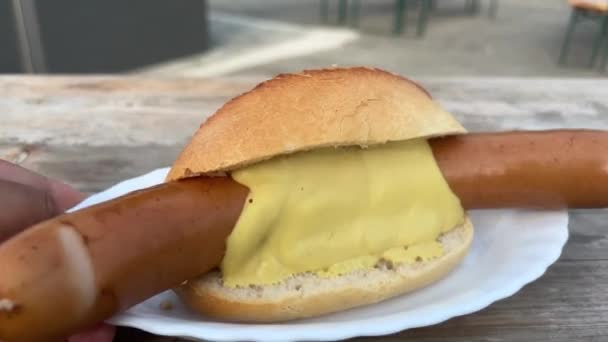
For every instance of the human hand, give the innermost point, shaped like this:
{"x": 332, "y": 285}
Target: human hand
{"x": 28, "y": 198}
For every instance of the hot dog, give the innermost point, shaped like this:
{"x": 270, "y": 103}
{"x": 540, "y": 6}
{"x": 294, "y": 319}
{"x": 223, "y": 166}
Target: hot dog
{"x": 136, "y": 246}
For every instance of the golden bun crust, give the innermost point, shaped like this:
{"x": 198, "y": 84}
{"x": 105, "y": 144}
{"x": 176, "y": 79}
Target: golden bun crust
{"x": 311, "y": 109}
{"x": 308, "y": 295}
{"x": 304, "y": 111}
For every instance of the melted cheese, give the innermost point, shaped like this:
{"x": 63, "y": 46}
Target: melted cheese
{"x": 336, "y": 210}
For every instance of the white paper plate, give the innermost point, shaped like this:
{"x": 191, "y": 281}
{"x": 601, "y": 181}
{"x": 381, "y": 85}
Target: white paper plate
{"x": 510, "y": 249}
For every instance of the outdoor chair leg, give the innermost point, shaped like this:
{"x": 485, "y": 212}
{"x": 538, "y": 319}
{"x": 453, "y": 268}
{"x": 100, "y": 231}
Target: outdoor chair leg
{"x": 355, "y": 13}
{"x": 400, "y": 16}
{"x": 566, "y": 45}
{"x": 423, "y": 18}
{"x": 605, "y": 57}
{"x": 324, "y": 10}
{"x": 599, "y": 40}
{"x": 342, "y": 11}
{"x": 474, "y": 6}
{"x": 493, "y": 10}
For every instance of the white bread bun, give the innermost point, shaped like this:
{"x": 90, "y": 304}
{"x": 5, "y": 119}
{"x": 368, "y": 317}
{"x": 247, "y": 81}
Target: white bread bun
{"x": 299, "y": 112}
{"x": 308, "y": 295}
{"x": 312, "y": 109}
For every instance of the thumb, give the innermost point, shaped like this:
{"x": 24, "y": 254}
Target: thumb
{"x": 23, "y": 206}
{"x": 63, "y": 195}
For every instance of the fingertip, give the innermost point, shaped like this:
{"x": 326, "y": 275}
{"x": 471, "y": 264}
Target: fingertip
{"x": 65, "y": 196}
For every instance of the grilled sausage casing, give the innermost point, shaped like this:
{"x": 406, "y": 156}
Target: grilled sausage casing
{"x": 80, "y": 268}
{"x": 538, "y": 170}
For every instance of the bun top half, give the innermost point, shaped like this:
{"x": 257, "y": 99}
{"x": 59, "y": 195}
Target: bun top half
{"x": 312, "y": 109}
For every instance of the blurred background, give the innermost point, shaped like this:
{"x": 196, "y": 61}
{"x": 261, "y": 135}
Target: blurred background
{"x": 197, "y": 38}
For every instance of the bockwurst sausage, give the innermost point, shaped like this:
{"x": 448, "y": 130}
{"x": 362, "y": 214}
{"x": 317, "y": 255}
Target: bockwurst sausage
{"x": 542, "y": 170}
{"x": 77, "y": 269}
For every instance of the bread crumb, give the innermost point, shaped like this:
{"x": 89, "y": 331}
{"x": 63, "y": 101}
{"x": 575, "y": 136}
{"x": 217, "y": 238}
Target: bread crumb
{"x": 166, "y": 305}
{"x": 7, "y": 305}
{"x": 255, "y": 287}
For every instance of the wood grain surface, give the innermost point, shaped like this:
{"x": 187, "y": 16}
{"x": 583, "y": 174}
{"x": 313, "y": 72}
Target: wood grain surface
{"x": 95, "y": 131}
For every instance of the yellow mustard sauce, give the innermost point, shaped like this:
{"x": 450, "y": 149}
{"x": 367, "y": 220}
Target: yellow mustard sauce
{"x": 332, "y": 211}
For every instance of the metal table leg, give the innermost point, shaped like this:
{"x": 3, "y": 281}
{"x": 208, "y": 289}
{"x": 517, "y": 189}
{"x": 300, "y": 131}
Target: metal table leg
{"x": 493, "y": 10}
{"x": 324, "y": 10}
{"x": 475, "y": 6}
{"x": 355, "y": 13}
{"x": 400, "y": 16}
{"x": 342, "y": 11}
{"x": 423, "y": 18}
{"x": 599, "y": 40}
{"x": 566, "y": 45}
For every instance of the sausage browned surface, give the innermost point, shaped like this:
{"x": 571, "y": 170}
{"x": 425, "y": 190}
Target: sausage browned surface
{"x": 544, "y": 170}
{"x": 80, "y": 268}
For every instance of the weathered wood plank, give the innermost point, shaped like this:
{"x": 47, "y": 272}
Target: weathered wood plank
{"x": 110, "y": 110}
{"x": 568, "y": 303}
{"x": 588, "y": 236}
{"x": 102, "y": 111}
{"x": 93, "y": 168}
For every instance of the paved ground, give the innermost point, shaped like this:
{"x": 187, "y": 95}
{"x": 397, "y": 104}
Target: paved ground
{"x": 262, "y": 38}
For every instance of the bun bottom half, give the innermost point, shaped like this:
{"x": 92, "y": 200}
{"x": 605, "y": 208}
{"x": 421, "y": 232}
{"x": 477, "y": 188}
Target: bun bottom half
{"x": 308, "y": 295}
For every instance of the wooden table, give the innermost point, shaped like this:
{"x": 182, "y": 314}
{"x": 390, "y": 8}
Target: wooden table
{"x": 95, "y": 131}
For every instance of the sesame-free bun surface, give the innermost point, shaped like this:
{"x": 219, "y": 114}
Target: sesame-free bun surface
{"x": 311, "y": 109}
{"x": 308, "y": 295}
{"x": 300, "y": 112}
